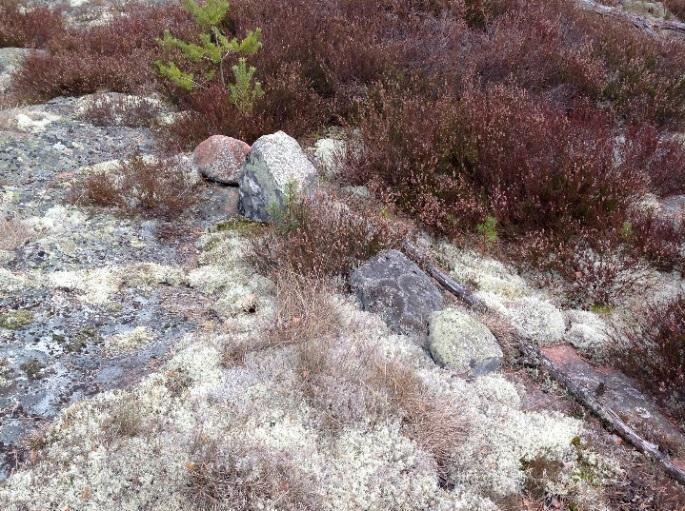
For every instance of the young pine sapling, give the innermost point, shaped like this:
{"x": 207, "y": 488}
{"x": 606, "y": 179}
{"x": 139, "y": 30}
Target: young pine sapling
{"x": 212, "y": 51}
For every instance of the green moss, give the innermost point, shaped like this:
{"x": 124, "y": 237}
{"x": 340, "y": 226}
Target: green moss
{"x": 15, "y": 320}
{"x": 602, "y": 309}
{"x": 239, "y": 225}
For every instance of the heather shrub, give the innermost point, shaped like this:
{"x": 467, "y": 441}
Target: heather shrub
{"x": 158, "y": 189}
{"x": 676, "y": 7}
{"x": 657, "y": 239}
{"x": 503, "y": 153}
{"x": 28, "y": 28}
{"x": 409, "y": 159}
{"x": 116, "y": 56}
{"x": 321, "y": 237}
{"x": 653, "y": 351}
{"x": 644, "y": 73}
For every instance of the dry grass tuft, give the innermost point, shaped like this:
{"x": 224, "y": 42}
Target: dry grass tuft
{"x": 124, "y": 420}
{"x": 434, "y": 423}
{"x": 247, "y": 478}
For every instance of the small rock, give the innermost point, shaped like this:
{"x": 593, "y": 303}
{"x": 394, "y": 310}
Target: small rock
{"x": 672, "y": 209}
{"x": 275, "y": 167}
{"x": 220, "y": 158}
{"x": 461, "y": 342}
{"x": 533, "y": 317}
{"x": 394, "y": 287}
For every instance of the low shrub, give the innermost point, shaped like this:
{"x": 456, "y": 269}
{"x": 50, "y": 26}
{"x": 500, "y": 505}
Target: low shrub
{"x": 502, "y": 153}
{"x": 321, "y": 237}
{"x": 156, "y": 189}
{"x": 32, "y": 28}
{"x": 655, "y": 351}
{"x": 676, "y": 7}
{"x": 117, "y": 56}
{"x": 657, "y": 239}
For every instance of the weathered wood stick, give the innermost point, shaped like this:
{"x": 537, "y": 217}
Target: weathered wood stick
{"x": 443, "y": 279}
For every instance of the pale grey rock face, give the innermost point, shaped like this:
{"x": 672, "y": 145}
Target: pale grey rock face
{"x": 221, "y": 158}
{"x": 672, "y": 209}
{"x": 10, "y": 60}
{"x": 394, "y": 287}
{"x": 275, "y": 167}
{"x": 461, "y": 342}
{"x": 330, "y": 153}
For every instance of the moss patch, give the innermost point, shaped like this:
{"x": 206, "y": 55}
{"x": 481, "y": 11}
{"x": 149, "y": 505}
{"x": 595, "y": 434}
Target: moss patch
{"x": 240, "y": 226}
{"x": 15, "y": 320}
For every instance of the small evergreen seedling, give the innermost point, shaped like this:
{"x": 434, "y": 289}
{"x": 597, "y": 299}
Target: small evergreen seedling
{"x": 488, "y": 229}
{"x": 213, "y": 49}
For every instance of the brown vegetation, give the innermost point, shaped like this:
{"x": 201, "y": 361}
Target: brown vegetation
{"x": 116, "y": 56}
{"x": 27, "y": 29}
{"x": 322, "y": 237}
{"x": 13, "y": 234}
{"x": 655, "y": 351}
{"x": 157, "y": 189}
{"x": 245, "y": 478}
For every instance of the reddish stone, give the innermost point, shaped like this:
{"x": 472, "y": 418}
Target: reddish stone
{"x": 220, "y": 158}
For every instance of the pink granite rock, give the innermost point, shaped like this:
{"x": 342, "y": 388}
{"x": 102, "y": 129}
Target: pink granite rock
{"x": 220, "y": 158}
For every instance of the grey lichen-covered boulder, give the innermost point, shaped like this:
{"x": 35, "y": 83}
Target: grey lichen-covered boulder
{"x": 461, "y": 342}
{"x": 391, "y": 285}
{"x": 275, "y": 167}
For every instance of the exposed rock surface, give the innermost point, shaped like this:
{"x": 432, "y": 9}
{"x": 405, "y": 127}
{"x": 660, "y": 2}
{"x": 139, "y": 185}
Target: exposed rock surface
{"x": 275, "y": 168}
{"x": 619, "y": 393}
{"x": 88, "y": 301}
{"x": 397, "y": 289}
{"x": 461, "y": 342}
{"x": 10, "y": 60}
{"x": 221, "y": 158}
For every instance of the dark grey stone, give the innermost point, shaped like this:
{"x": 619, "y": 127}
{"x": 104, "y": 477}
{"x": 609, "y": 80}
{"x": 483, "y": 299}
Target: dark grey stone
{"x": 396, "y": 288}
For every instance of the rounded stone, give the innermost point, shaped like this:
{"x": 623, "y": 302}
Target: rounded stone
{"x": 221, "y": 158}
{"x": 461, "y": 342}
